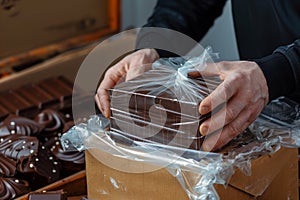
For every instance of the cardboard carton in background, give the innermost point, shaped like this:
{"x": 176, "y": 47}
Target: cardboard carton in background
{"x": 33, "y": 30}
{"x": 28, "y": 24}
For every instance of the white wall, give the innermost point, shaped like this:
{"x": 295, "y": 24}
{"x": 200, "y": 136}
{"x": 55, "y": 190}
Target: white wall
{"x": 220, "y": 37}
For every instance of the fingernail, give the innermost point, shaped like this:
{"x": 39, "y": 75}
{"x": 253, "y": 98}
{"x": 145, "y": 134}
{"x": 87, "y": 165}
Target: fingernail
{"x": 203, "y": 130}
{"x": 204, "y": 110}
{"x": 107, "y": 114}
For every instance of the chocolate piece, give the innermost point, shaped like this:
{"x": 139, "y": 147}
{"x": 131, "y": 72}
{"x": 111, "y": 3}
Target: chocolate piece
{"x": 3, "y": 112}
{"x": 37, "y": 96}
{"x": 7, "y": 166}
{"x": 18, "y": 146}
{"x": 72, "y": 161}
{"x": 68, "y": 125}
{"x": 156, "y": 113}
{"x": 33, "y": 117}
{"x": 48, "y": 195}
{"x": 26, "y": 100}
{"x": 57, "y": 88}
{"x": 14, "y": 103}
{"x": 19, "y": 125}
{"x": 52, "y": 121}
{"x": 75, "y": 157}
{"x": 40, "y": 169}
{"x": 13, "y": 187}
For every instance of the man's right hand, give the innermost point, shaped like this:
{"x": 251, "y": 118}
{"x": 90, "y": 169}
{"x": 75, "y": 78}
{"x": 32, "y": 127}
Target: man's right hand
{"x": 129, "y": 67}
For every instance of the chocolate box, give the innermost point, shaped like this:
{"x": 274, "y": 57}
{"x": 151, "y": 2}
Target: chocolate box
{"x": 160, "y": 107}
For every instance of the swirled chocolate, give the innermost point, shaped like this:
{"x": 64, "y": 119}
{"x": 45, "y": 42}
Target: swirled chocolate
{"x": 7, "y": 166}
{"x": 67, "y": 126}
{"x": 12, "y": 187}
{"x": 72, "y": 161}
{"x": 51, "y": 120}
{"x": 69, "y": 156}
{"x": 40, "y": 169}
{"x": 19, "y": 125}
{"x": 18, "y": 146}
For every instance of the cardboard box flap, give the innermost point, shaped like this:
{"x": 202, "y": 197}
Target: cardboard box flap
{"x": 105, "y": 182}
{"x": 263, "y": 171}
{"x": 123, "y": 185}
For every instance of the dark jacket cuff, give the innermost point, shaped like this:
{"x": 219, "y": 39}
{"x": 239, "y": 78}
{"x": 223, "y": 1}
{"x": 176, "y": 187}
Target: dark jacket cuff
{"x": 278, "y": 73}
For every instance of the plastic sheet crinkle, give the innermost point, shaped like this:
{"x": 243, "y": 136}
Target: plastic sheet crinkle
{"x": 278, "y": 125}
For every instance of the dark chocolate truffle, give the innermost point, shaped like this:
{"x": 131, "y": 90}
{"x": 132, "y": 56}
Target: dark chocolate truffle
{"x": 12, "y": 187}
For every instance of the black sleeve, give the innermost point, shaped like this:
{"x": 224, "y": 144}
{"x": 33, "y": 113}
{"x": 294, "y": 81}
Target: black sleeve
{"x": 192, "y": 18}
{"x": 282, "y": 71}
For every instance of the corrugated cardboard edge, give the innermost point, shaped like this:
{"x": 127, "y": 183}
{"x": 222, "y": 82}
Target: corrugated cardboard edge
{"x": 268, "y": 174}
{"x": 263, "y": 172}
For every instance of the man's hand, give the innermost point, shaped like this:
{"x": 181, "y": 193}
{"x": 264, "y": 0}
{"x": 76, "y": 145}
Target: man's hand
{"x": 129, "y": 67}
{"x": 245, "y": 93}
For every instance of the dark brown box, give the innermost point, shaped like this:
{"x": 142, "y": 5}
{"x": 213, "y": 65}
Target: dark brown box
{"x": 153, "y": 108}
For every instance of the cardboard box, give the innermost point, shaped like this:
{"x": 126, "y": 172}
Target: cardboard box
{"x": 32, "y": 30}
{"x": 273, "y": 177}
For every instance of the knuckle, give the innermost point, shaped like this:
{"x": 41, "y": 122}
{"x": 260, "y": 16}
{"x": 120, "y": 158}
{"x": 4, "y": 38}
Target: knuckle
{"x": 230, "y": 115}
{"x": 109, "y": 72}
{"x": 233, "y": 130}
{"x": 227, "y": 90}
{"x": 239, "y": 76}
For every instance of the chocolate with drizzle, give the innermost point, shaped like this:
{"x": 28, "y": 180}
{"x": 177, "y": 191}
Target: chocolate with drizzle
{"x": 12, "y": 187}
{"x": 19, "y": 125}
{"x": 18, "y": 146}
{"x": 43, "y": 167}
{"x": 52, "y": 121}
{"x": 7, "y": 166}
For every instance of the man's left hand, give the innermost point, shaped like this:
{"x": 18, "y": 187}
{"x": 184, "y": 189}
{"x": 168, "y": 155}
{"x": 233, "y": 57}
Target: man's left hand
{"x": 245, "y": 93}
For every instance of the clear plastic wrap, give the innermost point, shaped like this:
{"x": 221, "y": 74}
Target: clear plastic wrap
{"x": 196, "y": 171}
{"x": 161, "y": 105}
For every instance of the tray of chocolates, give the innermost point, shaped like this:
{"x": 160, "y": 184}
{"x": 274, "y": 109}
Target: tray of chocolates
{"x": 32, "y": 119}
